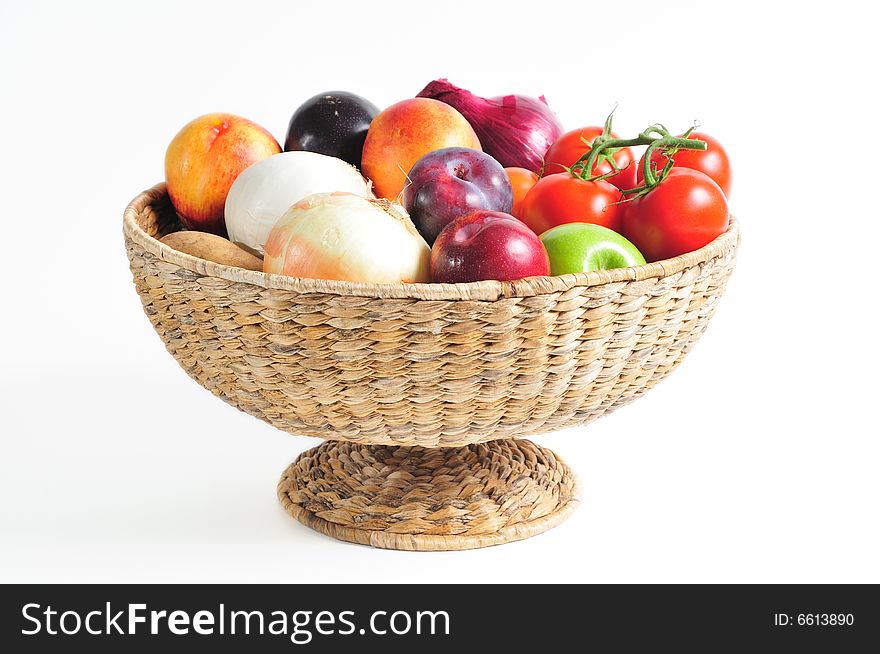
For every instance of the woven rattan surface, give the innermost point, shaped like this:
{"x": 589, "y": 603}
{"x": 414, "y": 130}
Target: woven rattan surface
{"x": 422, "y": 364}
{"x": 412, "y": 498}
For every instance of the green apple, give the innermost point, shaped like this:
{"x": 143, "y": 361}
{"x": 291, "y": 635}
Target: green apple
{"x": 582, "y": 247}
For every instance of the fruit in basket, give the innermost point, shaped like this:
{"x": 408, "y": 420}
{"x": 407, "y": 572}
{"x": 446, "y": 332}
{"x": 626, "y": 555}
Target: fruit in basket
{"x": 522, "y": 180}
{"x": 582, "y": 247}
{"x": 625, "y": 178}
{"x": 682, "y": 213}
{"x": 403, "y": 133}
{"x": 212, "y": 248}
{"x": 204, "y": 159}
{"x": 333, "y": 123}
{"x": 347, "y": 237}
{"x": 571, "y": 146}
{"x": 566, "y": 198}
{"x": 712, "y": 161}
{"x": 448, "y": 183}
{"x": 263, "y": 192}
{"x": 514, "y": 129}
{"x": 487, "y": 245}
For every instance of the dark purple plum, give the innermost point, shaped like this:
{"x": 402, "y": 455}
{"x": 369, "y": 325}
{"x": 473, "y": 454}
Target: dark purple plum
{"x": 333, "y": 123}
{"x": 448, "y": 183}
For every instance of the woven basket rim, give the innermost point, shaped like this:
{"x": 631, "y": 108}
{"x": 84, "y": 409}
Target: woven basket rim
{"x": 483, "y": 291}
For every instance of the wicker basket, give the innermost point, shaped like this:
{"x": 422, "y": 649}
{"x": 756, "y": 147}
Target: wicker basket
{"x": 423, "y": 366}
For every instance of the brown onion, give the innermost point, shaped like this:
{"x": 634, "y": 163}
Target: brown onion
{"x": 347, "y": 237}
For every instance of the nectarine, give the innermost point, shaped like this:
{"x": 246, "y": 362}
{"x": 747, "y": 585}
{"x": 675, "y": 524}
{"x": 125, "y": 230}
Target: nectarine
{"x": 400, "y": 135}
{"x": 204, "y": 159}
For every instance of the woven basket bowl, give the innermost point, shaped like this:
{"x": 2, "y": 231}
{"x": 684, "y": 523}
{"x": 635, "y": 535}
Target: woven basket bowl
{"x": 435, "y": 365}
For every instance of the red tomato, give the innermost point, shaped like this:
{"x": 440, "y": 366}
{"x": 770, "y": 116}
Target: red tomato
{"x": 684, "y": 212}
{"x": 569, "y": 147}
{"x": 626, "y": 178}
{"x": 564, "y": 198}
{"x": 712, "y": 161}
{"x": 522, "y": 180}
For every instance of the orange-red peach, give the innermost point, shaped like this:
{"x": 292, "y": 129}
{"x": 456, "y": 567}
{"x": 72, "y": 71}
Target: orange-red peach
{"x": 204, "y": 159}
{"x": 400, "y": 135}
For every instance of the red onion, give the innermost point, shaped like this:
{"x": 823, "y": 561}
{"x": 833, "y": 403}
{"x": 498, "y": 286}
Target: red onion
{"x": 514, "y": 129}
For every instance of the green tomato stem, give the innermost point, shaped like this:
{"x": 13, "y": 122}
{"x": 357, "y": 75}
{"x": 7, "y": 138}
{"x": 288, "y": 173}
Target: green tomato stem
{"x": 656, "y": 137}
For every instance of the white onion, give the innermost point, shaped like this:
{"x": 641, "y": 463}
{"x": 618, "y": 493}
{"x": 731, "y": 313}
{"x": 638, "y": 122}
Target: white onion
{"x": 265, "y": 190}
{"x": 346, "y": 237}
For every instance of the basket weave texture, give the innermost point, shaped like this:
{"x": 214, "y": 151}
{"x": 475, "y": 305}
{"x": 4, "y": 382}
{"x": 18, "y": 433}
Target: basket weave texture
{"x": 413, "y": 498}
{"x": 434, "y": 365}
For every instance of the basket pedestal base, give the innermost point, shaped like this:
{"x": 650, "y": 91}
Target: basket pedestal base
{"x": 429, "y": 499}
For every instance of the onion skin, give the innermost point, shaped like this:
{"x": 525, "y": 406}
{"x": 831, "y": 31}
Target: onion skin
{"x": 516, "y": 130}
{"x": 263, "y": 192}
{"x": 346, "y": 237}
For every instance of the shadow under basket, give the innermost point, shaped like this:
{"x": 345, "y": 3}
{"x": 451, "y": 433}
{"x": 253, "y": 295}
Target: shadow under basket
{"x": 423, "y": 392}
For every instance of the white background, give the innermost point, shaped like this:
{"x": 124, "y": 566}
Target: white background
{"x": 756, "y": 461}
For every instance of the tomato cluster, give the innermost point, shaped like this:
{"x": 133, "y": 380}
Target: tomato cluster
{"x": 680, "y": 207}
